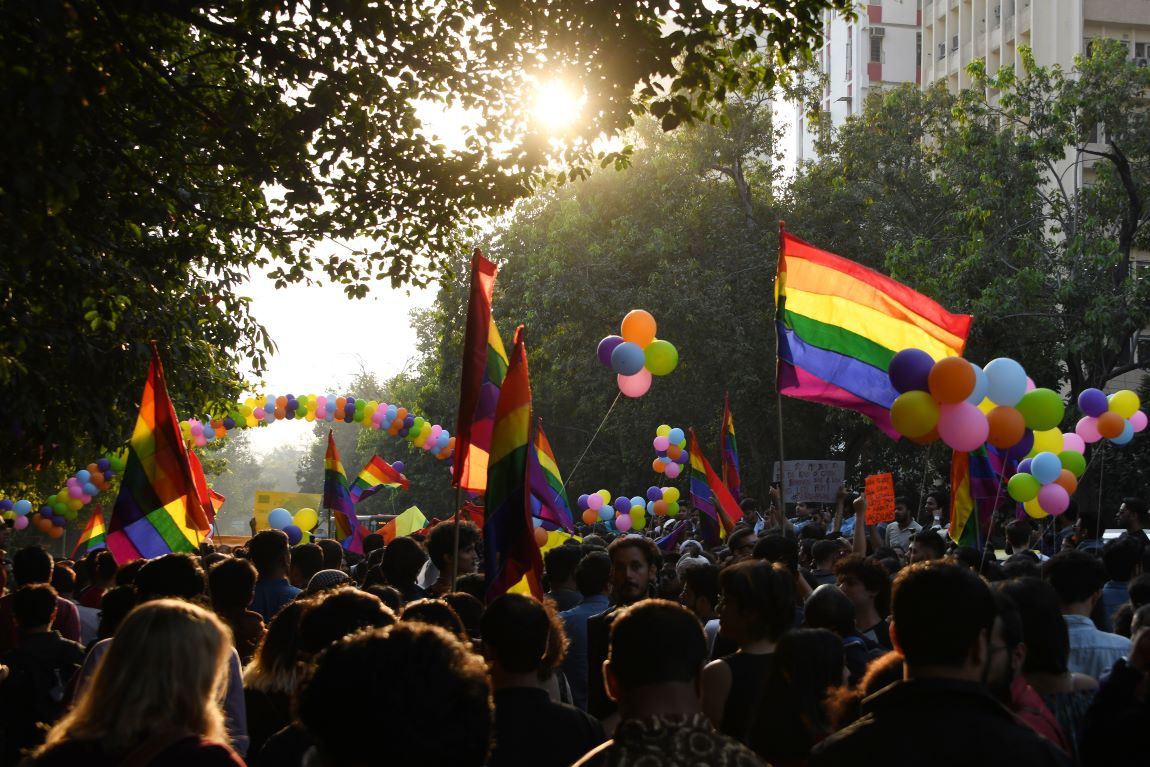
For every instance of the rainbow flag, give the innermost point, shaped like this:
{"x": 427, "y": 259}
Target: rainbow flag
{"x": 979, "y": 481}
{"x": 839, "y": 323}
{"x": 708, "y": 494}
{"x": 547, "y": 488}
{"x": 670, "y": 542}
{"x": 337, "y": 498}
{"x": 377, "y": 475}
{"x": 729, "y": 465}
{"x": 93, "y": 535}
{"x": 158, "y": 509}
{"x": 484, "y": 367}
{"x": 508, "y": 532}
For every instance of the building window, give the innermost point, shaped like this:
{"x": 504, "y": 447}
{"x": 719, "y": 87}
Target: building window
{"x": 942, "y": 50}
{"x": 1142, "y": 348}
{"x": 875, "y": 50}
{"x": 954, "y": 44}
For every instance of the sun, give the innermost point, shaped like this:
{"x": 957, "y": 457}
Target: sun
{"x": 557, "y": 104}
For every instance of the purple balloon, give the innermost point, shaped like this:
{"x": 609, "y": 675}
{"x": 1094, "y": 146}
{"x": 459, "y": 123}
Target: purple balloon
{"x": 1024, "y": 465}
{"x": 6, "y": 505}
{"x": 909, "y": 370}
{"x": 606, "y": 346}
{"x": 683, "y": 458}
{"x": 1022, "y": 447}
{"x": 103, "y": 464}
{"x": 654, "y": 493}
{"x": 398, "y": 466}
{"x": 294, "y": 534}
{"x": 1093, "y": 402}
{"x": 622, "y": 505}
{"x": 582, "y": 502}
{"x": 408, "y": 420}
{"x": 58, "y": 521}
{"x": 48, "y": 514}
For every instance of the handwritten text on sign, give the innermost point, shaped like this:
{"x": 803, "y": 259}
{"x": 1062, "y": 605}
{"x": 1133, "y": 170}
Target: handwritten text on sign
{"x": 879, "y": 498}
{"x": 816, "y": 481}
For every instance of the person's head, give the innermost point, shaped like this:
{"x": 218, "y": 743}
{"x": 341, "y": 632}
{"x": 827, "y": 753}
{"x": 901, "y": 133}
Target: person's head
{"x": 332, "y": 553}
{"x": 829, "y": 608}
{"x": 690, "y": 548}
{"x": 325, "y": 580}
{"x": 441, "y": 547}
{"x": 1121, "y": 557}
{"x": 967, "y": 556}
{"x": 757, "y": 601}
{"x": 372, "y": 542}
{"x": 1018, "y": 535}
{"x": 515, "y": 631}
{"x": 34, "y": 607}
{"x": 823, "y": 554}
{"x": 474, "y": 584}
{"x": 306, "y": 561}
{"x": 173, "y": 575}
{"x": 1141, "y": 620}
{"x": 902, "y": 510}
{"x": 1077, "y": 577}
{"x": 127, "y": 572}
{"x": 276, "y": 665}
{"x": 927, "y": 545}
{"x": 410, "y": 678}
{"x": 559, "y": 565}
{"x": 1022, "y": 565}
{"x": 1133, "y": 514}
{"x": 941, "y": 618}
{"x": 775, "y": 548}
{"x": 1007, "y": 648}
{"x": 865, "y": 582}
{"x": 469, "y": 609}
{"x": 1139, "y": 590}
{"x": 434, "y": 612}
{"x": 63, "y": 579}
{"x": 804, "y": 509}
{"x": 1087, "y": 527}
{"x": 634, "y": 567}
{"x": 32, "y": 564}
{"x": 232, "y": 584}
{"x": 101, "y": 567}
{"x": 402, "y": 560}
{"x": 338, "y": 613}
{"x": 700, "y": 592}
{"x": 184, "y": 649}
{"x": 741, "y": 543}
{"x": 808, "y": 663}
{"x": 843, "y": 707}
{"x": 268, "y": 551}
{"x": 592, "y": 574}
{"x": 632, "y": 668}
{"x": 1043, "y": 628}
{"x": 936, "y": 504}
{"x": 115, "y": 605}
{"x": 389, "y": 595}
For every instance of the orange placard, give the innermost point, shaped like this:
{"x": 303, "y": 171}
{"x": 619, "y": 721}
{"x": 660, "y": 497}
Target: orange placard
{"x": 879, "y": 498}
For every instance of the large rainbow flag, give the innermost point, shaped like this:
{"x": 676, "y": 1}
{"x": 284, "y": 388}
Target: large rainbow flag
{"x": 377, "y": 475}
{"x": 839, "y": 323}
{"x": 93, "y": 535}
{"x": 484, "y": 367}
{"x": 547, "y": 489}
{"x": 158, "y": 509}
{"x": 508, "y": 532}
{"x": 337, "y": 498}
{"x": 709, "y": 495}
{"x": 729, "y": 463}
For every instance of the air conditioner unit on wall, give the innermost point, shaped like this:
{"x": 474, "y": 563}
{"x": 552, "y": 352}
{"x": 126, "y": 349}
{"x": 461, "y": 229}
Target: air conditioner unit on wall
{"x": 878, "y": 31}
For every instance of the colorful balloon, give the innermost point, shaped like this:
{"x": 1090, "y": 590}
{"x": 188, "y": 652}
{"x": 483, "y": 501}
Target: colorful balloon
{"x": 951, "y": 380}
{"x": 1046, "y": 467}
{"x": 1093, "y": 402}
{"x": 1022, "y": 487}
{"x": 638, "y": 327}
{"x": 606, "y": 346}
{"x": 1006, "y": 381}
{"x": 627, "y": 359}
{"x": 636, "y": 385}
{"x": 1125, "y": 403}
{"x": 963, "y": 426}
{"x": 661, "y": 357}
{"x": 1053, "y": 499}
{"x": 1110, "y": 425}
{"x": 1042, "y": 409}
{"x": 914, "y": 413}
{"x": 1006, "y": 427}
{"x": 909, "y": 370}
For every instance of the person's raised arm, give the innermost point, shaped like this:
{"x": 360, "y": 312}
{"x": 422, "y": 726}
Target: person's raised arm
{"x": 781, "y": 520}
{"x": 840, "y": 503}
{"x": 860, "y": 526}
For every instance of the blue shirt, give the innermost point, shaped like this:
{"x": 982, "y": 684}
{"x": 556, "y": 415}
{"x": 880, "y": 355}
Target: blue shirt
{"x": 1114, "y": 595}
{"x": 271, "y": 595}
{"x": 1092, "y": 652}
{"x": 575, "y": 664}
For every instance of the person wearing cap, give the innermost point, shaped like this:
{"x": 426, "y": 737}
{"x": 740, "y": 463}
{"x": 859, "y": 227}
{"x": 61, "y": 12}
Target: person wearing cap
{"x": 690, "y": 555}
{"x": 326, "y": 579}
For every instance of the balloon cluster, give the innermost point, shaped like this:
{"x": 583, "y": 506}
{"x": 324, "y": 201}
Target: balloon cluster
{"x": 298, "y": 527}
{"x": 1044, "y": 483}
{"x": 1116, "y": 418}
{"x": 635, "y": 354}
{"x": 965, "y": 406}
{"x": 671, "y": 446}
{"x": 370, "y": 414}
{"x": 63, "y": 505}
{"x": 629, "y": 513}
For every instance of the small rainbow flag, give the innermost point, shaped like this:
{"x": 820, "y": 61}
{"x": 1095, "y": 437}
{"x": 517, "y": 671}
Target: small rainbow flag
{"x": 839, "y": 324}
{"x": 377, "y": 475}
{"x": 93, "y": 535}
{"x": 979, "y": 481}
{"x": 708, "y": 494}
{"x": 508, "y": 532}
{"x": 337, "y": 498}
{"x": 547, "y": 484}
{"x": 729, "y": 465}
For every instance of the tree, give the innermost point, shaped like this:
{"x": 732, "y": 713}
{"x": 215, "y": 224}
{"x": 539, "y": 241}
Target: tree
{"x": 157, "y": 153}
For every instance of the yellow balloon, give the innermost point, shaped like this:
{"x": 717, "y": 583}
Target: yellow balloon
{"x": 1049, "y": 441}
{"x": 986, "y": 406}
{"x": 305, "y": 519}
{"x": 1125, "y": 403}
{"x": 663, "y": 431}
{"x": 1033, "y": 509}
{"x": 606, "y": 496}
{"x": 671, "y": 494}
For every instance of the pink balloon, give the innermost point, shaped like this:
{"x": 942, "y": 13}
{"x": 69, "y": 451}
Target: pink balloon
{"x": 623, "y": 523}
{"x": 673, "y": 470}
{"x": 636, "y": 385}
{"x": 963, "y": 426}
{"x": 1071, "y": 441}
{"x": 1138, "y": 420}
{"x": 20, "y": 522}
{"x": 75, "y": 491}
{"x": 661, "y": 444}
{"x": 1087, "y": 428}
{"x": 1029, "y": 383}
{"x": 594, "y": 501}
{"x": 1053, "y": 499}
{"x": 258, "y": 413}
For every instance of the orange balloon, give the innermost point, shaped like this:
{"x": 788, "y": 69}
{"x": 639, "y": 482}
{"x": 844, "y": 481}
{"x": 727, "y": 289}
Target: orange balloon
{"x": 1067, "y": 479}
{"x": 1006, "y": 426}
{"x": 540, "y": 537}
{"x": 658, "y": 466}
{"x": 660, "y": 508}
{"x": 926, "y": 439}
{"x": 590, "y": 516}
{"x": 638, "y": 327}
{"x": 1110, "y": 424}
{"x": 55, "y": 532}
{"x": 674, "y": 451}
{"x": 951, "y": 380}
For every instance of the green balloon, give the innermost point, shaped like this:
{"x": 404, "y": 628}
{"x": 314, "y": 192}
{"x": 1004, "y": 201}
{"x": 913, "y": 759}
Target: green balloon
{"x": 1041, "y": 409}
{"x": 1073, "y": 461}
{"x": 1022, "y": 487}
{"x": 661, "y": 357}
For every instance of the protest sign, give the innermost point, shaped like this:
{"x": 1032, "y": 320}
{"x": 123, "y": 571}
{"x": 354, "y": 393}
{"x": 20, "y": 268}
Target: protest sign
{"x": 817, "y": 481}
{"x": 879, "y": 498}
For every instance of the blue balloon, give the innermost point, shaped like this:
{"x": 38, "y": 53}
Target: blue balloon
{"x": 1006, "y": 381}
{"x": 1126, "y": 435}
{"x": 22, "y": 507}
{"x": 58, "y": 521}
{"x": 981, "y": 384}
{"x": 329, "y": 416}
{"x": 637, "y": 501}
{"x": 84, "y": 476}
{"x": 294, "y": 534}
{"x": 6, "y": 505}
{"x": 606, "y": 512}
{"x": 279, "y": 518}
{"x": 90, "y": 489}
{"x": 1045, "y": 467}
{"x": 627, "y": 359}
{"x": 675, "y": 436}
{"x": 391, "y": 411}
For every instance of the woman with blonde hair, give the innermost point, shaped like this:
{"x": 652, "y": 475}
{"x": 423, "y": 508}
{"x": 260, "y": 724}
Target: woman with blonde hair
{"x": 155, "y": 697}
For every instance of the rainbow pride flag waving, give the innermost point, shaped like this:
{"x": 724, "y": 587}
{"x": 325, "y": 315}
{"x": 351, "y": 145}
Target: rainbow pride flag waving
{"x": 377, "y": 475}
{"x": 94, "y": 533}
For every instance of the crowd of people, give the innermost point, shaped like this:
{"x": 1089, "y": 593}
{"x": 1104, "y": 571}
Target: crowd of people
{"x": 812, "y": 639}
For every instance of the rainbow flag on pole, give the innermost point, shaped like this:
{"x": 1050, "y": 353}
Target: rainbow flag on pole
{"x": 377, "y": 475}
{"x": 337, "y": 498}
{"x": 729, "y": 463}
{"x": 158, "y": 509}
{"x": 484, "y": 367}
{"x": 839, "y": 323}
{"x": 708, "y": 494}
{"x": 547, "y": 484}
{"x": 93, "y": 535}
{"x": 979, "y": 482}
{"x": 508, "y": 532}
